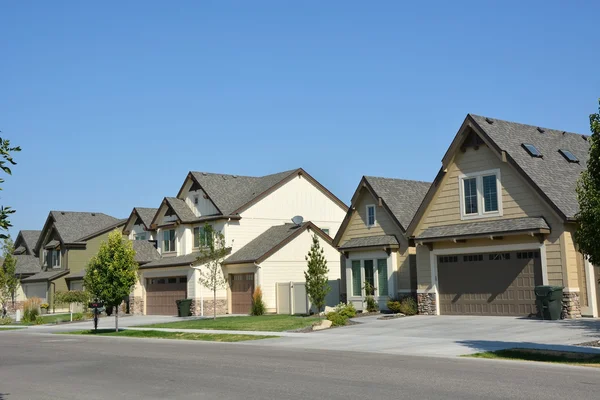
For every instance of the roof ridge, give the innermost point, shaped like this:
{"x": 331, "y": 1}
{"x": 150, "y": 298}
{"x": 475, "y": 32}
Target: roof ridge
{"x": 562, "y": 131}
{"x": 397, "y": 179}
{"x": 244, "y": 176}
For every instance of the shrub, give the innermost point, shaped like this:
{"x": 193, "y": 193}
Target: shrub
{"x": 394, "y": 306}
{"x": 337, "y": 319}
{"x": 72, "y": 296}
{"x": 346, "y": 310}
{"x": 31, "y": 309}
{"x": 78, "y": 316}
{"x": 371, "y": 304}
{"x": 408, "y": 306}
{"x": 6, "y": 320}
{"x": 39, "y": 320}
{"x": 258, "y": 305}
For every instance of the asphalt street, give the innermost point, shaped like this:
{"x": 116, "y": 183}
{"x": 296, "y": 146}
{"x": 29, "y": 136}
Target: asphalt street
{"x": 49, "y": 366}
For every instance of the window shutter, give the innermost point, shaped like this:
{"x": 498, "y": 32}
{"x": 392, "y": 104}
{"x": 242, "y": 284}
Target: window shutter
{"x": 356, "y": 278}
{"x": 383, "y": 277}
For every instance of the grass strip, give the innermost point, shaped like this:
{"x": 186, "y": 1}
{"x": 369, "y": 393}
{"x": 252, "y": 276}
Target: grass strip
{"x": 209, "y": 337}
{"x": 268, "y": 323}
{"x": 541, "y": 355}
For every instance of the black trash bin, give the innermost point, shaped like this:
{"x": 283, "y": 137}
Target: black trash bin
{"x": 549, "y": 301}
{"x": 184, "y": 307}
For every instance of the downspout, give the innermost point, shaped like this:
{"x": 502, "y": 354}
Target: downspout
{"x": 53, "y": 297}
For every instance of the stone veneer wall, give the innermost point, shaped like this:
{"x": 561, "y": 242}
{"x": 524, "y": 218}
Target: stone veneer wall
{"x": 208, "y": 307}
{"x": 136, "y": 305}
{"x": 571, "y": 307}
{"x": 426, "y": 303}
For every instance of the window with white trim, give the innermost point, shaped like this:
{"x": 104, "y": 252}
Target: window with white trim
{"x": 373, "y": 272}
{"x": 140, "y": 236}
{"x": 169, "y": 240}
{"x": 371, "y": 215}
{"x": 480, "y": 195}
{"x": 53, "y": 258}
{"x": 202, "y": 238}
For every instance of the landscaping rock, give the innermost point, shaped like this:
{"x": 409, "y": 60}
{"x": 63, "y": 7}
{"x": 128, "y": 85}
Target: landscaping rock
{"x": 325, "y": 324}
{"x": 327, "y": 310}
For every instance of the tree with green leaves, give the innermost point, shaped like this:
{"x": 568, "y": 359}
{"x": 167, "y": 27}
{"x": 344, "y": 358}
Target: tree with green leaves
{"x": 317, "y": 282}
{"x": 9, "y": 282}
{"x": 6, "y": 158}
{"x": 587, "y": 235}
{"x": 112, "y": 273}
{"x": 212, "y": 254}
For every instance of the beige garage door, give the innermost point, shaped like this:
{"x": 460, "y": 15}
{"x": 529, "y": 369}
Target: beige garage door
{"x": 489, "y": 283}
{"x": 242, "y": 288}
{"x": 162, "y": 294}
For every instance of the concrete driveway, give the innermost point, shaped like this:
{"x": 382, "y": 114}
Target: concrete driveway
{"x": 447, "y": 336}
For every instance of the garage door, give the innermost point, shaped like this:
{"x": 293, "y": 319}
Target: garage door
{"x": 38, "y": 290}
{"x": 489, "y": 283}
{"x": 162, "y": 294}
{"x": 242, "y": 288}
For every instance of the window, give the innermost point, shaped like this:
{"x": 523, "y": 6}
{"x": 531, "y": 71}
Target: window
{"x": 570, "y": 157}
{"x": 382, "y": 278}
{"x": 369, "y": 277}
{"x": 325, "y": 231}
{"x": 528, "y": 254}
{"x": 356, "y": 287}
{"x": 195, "y": 199}
{"x": 169, "y": 240}
{"x": 480, "y": 195}
{"x": 499, "y": 256}
{"x": 448, "y": 259}
{"x": 371, "y": 215}
{"x": 473, "y": 257}
{"x": 140, "y": 236}
{"x": 54, "y": 258}
{"x": 532, "y": 150}
{"x": 201, "y": 237}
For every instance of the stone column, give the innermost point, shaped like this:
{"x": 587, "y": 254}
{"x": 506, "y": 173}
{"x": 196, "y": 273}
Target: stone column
{"x": 136, "y": 305}
{"x": 571, "y": 309}
{"x": 426, "y": 303}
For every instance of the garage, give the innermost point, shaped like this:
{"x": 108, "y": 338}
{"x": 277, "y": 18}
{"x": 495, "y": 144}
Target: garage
{"x": 489, "y": 283}
{"x": 242, "y": 288}
{"x": 162, "y": 294}
{"x": 38, "y": 290}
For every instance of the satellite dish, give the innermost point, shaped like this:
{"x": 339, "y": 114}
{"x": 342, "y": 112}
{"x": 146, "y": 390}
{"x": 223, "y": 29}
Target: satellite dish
{"x": 297, "y": 220}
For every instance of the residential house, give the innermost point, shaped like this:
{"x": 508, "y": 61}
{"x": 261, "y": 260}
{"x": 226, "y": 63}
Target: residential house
{"x": 254, "y": 215}
{"x": 27, "y": 260}
{"x": 373, "y": 239}
{"x": 499, "y": 220}
{"x": 138, "y": 224}
{"x": 66, "y": 243}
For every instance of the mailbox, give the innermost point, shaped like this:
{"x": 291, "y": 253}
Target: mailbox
{"x": 96, "y": 304}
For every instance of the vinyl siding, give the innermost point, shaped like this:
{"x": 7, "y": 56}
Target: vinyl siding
{"x": 518, "y": 200}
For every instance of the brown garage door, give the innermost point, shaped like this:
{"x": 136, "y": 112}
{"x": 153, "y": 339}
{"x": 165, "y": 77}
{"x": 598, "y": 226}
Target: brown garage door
{"x": 489, "y": 283}
{"x": 162, "y": 293}
{"x": 242, "y": 288}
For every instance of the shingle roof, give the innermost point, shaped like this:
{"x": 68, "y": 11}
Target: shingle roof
{"x": 230, "y": 192}
{"x": 525, "y": 224}
{"x": 74, "y": 226}
{"x": 45, "y": 276}
{"x": 20, "y": 250}
{"x": 184, "y": 213}
{"x": 370, "y": 241}
{"x": 554, "y": 175}
{"x": 30, "y": 237}
{"x": 27, "y": 264}
{"x": 145, "y": 251}
{"x": 403, "y": 197}
{"x": 186, "y": 260}
{"x": 76, "y": 275}
{"x": 52, "y": 244}
{"x": 146, "y": 214}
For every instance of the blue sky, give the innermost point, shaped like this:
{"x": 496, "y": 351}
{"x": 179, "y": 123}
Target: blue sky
{"x": 113, "y": 103}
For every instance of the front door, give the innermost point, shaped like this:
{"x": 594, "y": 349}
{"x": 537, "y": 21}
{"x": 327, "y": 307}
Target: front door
{"x": 242, "y": 288}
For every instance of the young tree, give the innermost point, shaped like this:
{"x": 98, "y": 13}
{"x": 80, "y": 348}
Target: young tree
{"x": 587, "y": 235}
{"x": 8, "y": 280}
{"x": 212, "y": 253}
{"x": 112, "y": 273}
{"x": 317, "y": 283}
{"x": 6, "y": 157}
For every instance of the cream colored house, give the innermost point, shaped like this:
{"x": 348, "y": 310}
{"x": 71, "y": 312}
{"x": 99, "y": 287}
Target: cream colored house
{"x": 499, "y": 220}
{"x": 373, "y": 239}
{"x": 254, "y": 215}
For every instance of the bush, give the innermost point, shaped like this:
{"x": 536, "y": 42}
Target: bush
{"x": 31, "y": 309}
{"x": 72, "y": 296}
{"x": 394, "y": 306}
{"x": 337, "y": 319}
{"x": 371, "y": 304}
{"x": 258, "y": 305}
{"x": 6, "y": 320}
{"x": 408, "y": 306}
{"x": 78, "y": 316}
{"x": 346, "y": 310}
{"x": 39, "y": 320}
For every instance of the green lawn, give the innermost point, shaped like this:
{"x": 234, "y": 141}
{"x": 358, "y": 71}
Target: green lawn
{"x": 211, "y": 337}
{"x": 11, "y": 328}
{"x": 272, "y": 323}
{"x": 573, "y": 358}
{"x": 54, "y": 318}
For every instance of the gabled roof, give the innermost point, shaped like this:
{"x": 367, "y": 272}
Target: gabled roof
{"x": 273, "y": 239}
{"x": 146, "y": 215}
{"x": 29, "y": 238}
{"x": 183, "y": 212}
{"x": 187, "y": 260}
{"x": 554, "y": 176}
{"x": 232, "y": 193}
{"x": 400, "y": 197}
{"x": 73, "y": 227}
{"x": 145, "y": 251}
{"x": 27, "y": 264}
{"x": 371, "y": 241}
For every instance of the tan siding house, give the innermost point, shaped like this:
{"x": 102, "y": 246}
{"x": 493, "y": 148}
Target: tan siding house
{"x": 499, "y": 220}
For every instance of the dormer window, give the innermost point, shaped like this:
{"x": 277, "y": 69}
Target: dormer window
{"x": 52, "y": 258}
{"x": 371, "y": 215}
{"x": 480, "y": 195}
{"x": 570, "y": 157}
{"x": 196, "y": 199}
{"x": 532, "y": 150}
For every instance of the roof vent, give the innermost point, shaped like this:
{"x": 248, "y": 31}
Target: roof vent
{"x": 297, "y": 220}
{"x": 489, "y": 120}
{"x": 540, "y": 130}
{"x": 62, "y": 213}
{"x": 564, "y": 133}
{"x": 93, "y": 214}
{"x": 204, "y": 173}
{"x": 235, "y": 176}
{"x": 584, "y": 137}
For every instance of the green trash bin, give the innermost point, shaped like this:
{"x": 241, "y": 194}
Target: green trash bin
{"x": 549, "y": 301}
{"x": 184, "y": 307}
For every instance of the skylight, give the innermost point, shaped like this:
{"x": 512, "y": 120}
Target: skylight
{"x": 570, "y": 157}
{"x": 532, "y": 150}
